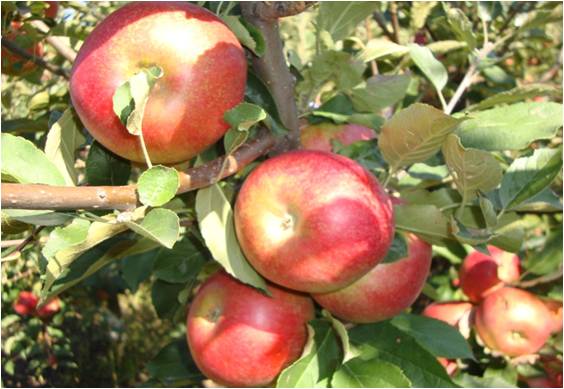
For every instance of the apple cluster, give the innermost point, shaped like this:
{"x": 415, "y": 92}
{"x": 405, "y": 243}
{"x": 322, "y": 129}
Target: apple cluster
{"x": 509, "y": 321}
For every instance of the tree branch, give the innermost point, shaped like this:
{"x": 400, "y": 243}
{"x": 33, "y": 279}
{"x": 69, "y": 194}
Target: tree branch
{"x": 272, "y": 10}
{"x": 395, "y": 22}
{"x": 14, "y": 48}
{"x": 273, "y": 71}
{"x": 39, "y": 196}
{"x": 382, "y": 24}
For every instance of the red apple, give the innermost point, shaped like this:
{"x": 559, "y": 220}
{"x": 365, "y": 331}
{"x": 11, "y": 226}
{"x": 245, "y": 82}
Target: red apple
{"x": 481, "y": 274}
{"x": 49, "y": 309}
{"x": 204, "y": 76}
{"x": 384, "y": 291}
{"x": 555, "y": 308}
{"x": 13, "y": 64}
{"x": 25, "y": 303}
{"x": 450, "y": 365}
{"x": 513, "y": 322}
{"x": 450, "y": 312}
{"x": 313, "y": 221}
{"x": 319, "y": 136}
{"x": 540, "y": 382}
{"x": 241, "y": 337}
{"x": 52, "y": 9}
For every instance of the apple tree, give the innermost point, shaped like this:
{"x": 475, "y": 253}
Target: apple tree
{"x": 288, "y": 194}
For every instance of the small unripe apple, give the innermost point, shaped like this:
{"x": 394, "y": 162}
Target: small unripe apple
{"x": 204, "y": 75}
{"x": 384, "y": 291}
{"x": 450, "y": 312}
{"x": 13, "y": 64}
{"x": 481, "y": 274}
{"x": 513, "y": 322}
{"x": 240, "y": 337}
{"x": 313, "y": 221}
{"x": 319, "y": 136}
{"x": 25, "y": 303}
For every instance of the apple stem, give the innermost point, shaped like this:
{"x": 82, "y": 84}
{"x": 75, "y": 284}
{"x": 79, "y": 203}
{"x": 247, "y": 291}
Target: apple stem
{"x": 144, "y": 148}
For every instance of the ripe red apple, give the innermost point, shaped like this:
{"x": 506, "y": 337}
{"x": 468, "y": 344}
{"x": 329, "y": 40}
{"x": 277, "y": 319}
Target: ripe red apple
{"x": 241, "y": 337}
{"x": 540, "y": 382}
{"x": 313, "y": 221}
{"x": 513, "y": 322}
{"x": 319, "y": 136}
{"x": 49, "y": 309}
{"x": 25, "y": 303}
{"x": 555, "y": 308}
{"x": 481, "y": 274}
{"x": 52, "y": 9}
{"x": 450, "y": 312}
{"x": 13, "y": 64}
{"x": 204, "y": 76}
{"x": 384, "y": 291}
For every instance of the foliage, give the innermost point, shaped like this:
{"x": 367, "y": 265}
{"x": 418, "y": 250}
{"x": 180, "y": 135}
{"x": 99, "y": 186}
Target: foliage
{"x": 489, "y": 173}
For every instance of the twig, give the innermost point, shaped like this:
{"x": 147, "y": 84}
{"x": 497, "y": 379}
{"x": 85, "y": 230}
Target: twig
{"x": 382, "y": 24}
{"x": 57, "y": 42}
{"x": 395, "y": 22}
{"x": 373, "y": 64}
{"x": 515, "y": 8}
{"x": 14, "y": 48}
{"x": 272, "y": 10}
{"x": 540, "y": 280}
{"x": 19, "y": 248}
{"x": 38, "y": 196}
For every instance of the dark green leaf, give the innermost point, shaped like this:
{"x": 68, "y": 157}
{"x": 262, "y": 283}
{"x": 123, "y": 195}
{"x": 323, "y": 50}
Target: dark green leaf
{"x": 174, "y": 363}
{"x": 181, "y": 264}
{"x": 106, "y": 168}
{"x": 371, "y": 373}
{"x": 398, "y": 249}
{"x": 340, "y": 18}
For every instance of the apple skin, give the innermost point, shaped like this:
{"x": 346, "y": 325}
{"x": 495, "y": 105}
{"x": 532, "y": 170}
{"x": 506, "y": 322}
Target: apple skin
{"x": 204, "y": 76}
{"x": 52, "y": 9}
{"x": 243, "y": 338}
{"x": 319, "y": 136}
{"x": 25, "y": 303}
{"x": 481, "y": 274}
{"x": 49, "y": 309}
{"x": 513, "y": 322}
{"x": 384, "y": 291}
{"x": 555, "y": 308}
{"x": 13, "y": 64}
{"x": 450, "y": 311}
{"x": 313, "y": 221}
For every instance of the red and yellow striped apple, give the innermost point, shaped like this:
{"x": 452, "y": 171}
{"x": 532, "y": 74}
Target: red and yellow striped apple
{"x": 241, "y": 337}
{"x": 384, "y": 291}
{"x": 313, "y": 221}
{"x": 513, "y": 322}
{"x": 204, "y": 76}
{"x": 481, "y": 274}
{"x": 319, "y": 136}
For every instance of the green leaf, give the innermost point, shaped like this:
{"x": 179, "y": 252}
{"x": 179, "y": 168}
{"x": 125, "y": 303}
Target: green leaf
{"x": 174, "y": 363}
{"x": 257, "y": 93}
{"x": 131, "y": 97}
{"x": 544, "y": 201}
{"x": 379, "y": 92}
{"x": 321, "y": 356}
{"x": 420, "y": 10}
{"x": 438, "y": 337}
{"x": 371, "y": 373}
{"x": 253, "y": 41}
{"x": 446, "y": 46}
{"x": 472, "y": 170}
{"x": 514, "y": 95}
{"x": 414, "y": 134}
{"x": 64, "y": 237}
{"x": 527, "y": 176}
{"x": 157, "y": 185}
{"x": 349, "y": 352}
{"x": 137, "y": 268}
{"x": 475, "y": 237}
{"x": 470, "y": 381}
{"x": 397, "y": 250}
{"x": 18, "y": 154}
{"x": 340, "y": 18}
{"x": 386, "y": 342}
{"x": 181, "y": 264}
{"x": 511, "y": 127}
{"x": 63, "y": 139}
{"x": 244, "y": 116}
{"x": 429, "y": 65}
{"x": 215, "y": 218}
{"x": 23, "y": 125}
{"x": 426, "y": 221}
{"x": 37, "y": 217}
{"x": 461, "y": 26}
{"x": 164, "y": 296}
{"x": 335, "y": 66}
{"x": 488, "y": 211}
{"x": 549, "y": 259}
{"x": 106, "y": 168}
{"x": 378, "y": 48}
{"x": 160, "y": 225}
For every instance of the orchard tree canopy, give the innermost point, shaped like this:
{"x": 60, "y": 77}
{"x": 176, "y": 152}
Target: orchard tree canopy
{"x": 282, "y": 194}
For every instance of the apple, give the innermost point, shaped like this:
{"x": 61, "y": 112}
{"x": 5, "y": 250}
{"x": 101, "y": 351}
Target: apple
{"x": 450, "y": 312}
{"x": 313, "y": 221}
{"x": 540, "y": 382}
{"x": 319, "y": 136}
{"x": 205, "y": 72}
{"x": 555, "y": 308}
{"x": 513, "y": 322}
{"x": 13, "y": 64}
{"x": 25, "y": 303}
{"x": 384, "y": 291}
{"x": 52, "y": 9}
{"x": 49, "y": 309}
{"x": 240, "y": 337}
{"x": 481, "y": 274}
